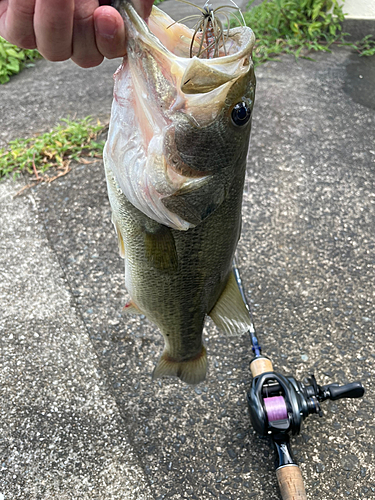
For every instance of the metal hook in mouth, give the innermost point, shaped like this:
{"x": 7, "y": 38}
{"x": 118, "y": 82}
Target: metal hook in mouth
{"x": 210, "y": 34}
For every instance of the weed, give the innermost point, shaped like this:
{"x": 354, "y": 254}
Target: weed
{"x": 67, "y": 141}
{"x": 365, "y": 47}
{"x": 13, "y": 59}
{"x": 299, "y": 27}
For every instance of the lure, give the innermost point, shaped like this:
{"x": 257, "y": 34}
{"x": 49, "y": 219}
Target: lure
{"x": 209, "y": 29}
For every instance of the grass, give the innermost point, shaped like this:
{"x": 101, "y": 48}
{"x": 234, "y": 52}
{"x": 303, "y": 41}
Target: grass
{"x": 13, "y": 59}
{"x": 299, "y": 27}
{"x": 71, "y": 140}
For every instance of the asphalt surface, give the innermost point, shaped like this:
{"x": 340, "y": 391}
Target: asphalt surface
{"x": 80, "y": 416}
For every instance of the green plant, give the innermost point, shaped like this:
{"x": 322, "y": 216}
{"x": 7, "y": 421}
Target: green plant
{"x": 294, "y": 26}
{"x": 365, "y": 47}
{"x": 13, "y": 59}
{"x": 67, "y": 141}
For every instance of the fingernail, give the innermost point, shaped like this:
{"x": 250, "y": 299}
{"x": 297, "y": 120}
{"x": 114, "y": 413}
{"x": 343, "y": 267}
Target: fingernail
{"x": 105, "y": 27}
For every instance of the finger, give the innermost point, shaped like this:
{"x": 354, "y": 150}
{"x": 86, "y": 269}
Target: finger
{"x": 53, "y": 25}
{"x": 110, "y": 32}
{"x": 17, "y": 22}
{"x": 3, "y": 14}
{"x": 85, "y": 51}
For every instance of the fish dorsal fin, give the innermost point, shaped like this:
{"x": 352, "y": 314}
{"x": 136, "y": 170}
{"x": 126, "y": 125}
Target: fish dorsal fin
{"x": 191, "y": 371}
{"x": 121, "y": 245}
{"x": 229, "y": 313}
{"x": 161, "y": 249}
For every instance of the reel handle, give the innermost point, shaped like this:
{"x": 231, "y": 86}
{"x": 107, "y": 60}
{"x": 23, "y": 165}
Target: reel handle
{"x": 290, "y": 482}
{"x": 335, "y": 391}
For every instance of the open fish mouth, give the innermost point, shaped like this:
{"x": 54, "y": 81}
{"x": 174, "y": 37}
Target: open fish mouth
{"x": 161, "y": 95}
{"x": 182, "y": 45}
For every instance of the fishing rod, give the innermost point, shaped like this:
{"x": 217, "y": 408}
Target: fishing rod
{"x": 279, "y": 404}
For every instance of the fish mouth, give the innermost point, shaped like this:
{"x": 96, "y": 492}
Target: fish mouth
{"x": 172, "y": 41}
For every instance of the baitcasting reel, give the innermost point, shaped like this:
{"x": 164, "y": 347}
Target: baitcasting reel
{"x": 280, "y": 404}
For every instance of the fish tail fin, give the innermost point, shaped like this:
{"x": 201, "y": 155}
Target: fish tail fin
{"x": 192, "y": 371}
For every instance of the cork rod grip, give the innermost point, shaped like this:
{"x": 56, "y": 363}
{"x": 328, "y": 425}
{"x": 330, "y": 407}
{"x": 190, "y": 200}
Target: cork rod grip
{"x": 290, "y": 482}
{"x": 260, "y": 365}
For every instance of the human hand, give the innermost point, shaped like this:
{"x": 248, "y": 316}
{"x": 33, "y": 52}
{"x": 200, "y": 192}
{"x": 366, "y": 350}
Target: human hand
{"x": 84, "y": 30}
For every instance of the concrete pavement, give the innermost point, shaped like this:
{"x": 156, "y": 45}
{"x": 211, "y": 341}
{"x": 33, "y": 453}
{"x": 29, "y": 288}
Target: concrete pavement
{"x": 80, "y": 415}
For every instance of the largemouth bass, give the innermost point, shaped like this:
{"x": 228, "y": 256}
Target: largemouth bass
{"x": 175, "y": 164}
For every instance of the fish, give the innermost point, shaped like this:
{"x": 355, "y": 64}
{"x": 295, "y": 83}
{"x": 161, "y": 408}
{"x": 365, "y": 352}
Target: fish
{"x": 175, "y": 163}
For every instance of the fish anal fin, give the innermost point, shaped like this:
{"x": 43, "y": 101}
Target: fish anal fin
{"x": 229, "y": 313}
{"x": 131, "y": 308}
{"x": 192, "y": 371}
{"x": 161, "y": 249}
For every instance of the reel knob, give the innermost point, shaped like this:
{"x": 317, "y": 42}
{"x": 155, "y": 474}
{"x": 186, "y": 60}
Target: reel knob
{"x": 353, "y": 390}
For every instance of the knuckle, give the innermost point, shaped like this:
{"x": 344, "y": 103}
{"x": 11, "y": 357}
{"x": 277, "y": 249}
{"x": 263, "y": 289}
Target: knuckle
{"x": 56, "y": 56}
{"x": 89, "y": 62}
{"x": 26, "y": 42}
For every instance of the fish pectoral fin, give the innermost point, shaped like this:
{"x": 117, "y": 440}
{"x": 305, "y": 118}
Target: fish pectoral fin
{"x": 191, "y": 371}
{"x": 229, "y": 313}
{"x": 161, "y": 249}
{"x": 121, "y": 245}
{"x": 195, "y": 205}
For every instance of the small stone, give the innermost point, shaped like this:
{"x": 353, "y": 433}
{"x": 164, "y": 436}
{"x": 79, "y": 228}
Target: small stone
{"x": 320, "y": 467}
{"x": 349, "y": 462}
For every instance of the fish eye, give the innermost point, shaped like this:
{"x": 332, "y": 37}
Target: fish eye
{"x": 241, "y": 113}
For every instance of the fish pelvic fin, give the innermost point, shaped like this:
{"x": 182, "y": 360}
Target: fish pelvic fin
{"x": 192, "y": 371}
{"x": 229, "y": 313}
{"x": 131, "y": 308}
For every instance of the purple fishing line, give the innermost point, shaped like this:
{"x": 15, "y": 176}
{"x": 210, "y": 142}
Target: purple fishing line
{"x": 275, "y": 408}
